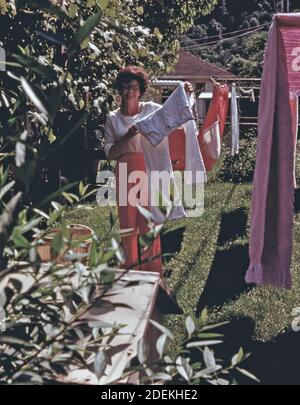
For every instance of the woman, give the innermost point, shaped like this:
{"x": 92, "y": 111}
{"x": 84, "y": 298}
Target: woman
{"x": 126, "y": 145}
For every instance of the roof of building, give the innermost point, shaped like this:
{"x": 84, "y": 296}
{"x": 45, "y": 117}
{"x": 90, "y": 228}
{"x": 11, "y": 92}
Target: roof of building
{"x": 191, "y": 66}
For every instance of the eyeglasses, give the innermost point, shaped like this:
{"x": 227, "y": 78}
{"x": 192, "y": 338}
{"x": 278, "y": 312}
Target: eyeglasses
{"x": 134, "y": 87}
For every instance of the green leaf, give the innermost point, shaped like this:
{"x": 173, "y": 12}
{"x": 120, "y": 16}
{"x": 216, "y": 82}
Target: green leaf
{"x": 49, "y": 36}
{"x": 217, "y": 325}
{"x": 237, "y": 358}
{"x": 209, "y": 358}
{"x": 23, "y": 376}
{"x": 3, "y": 175}
{"x": 161, "y": 344}
{"x": 146, "y": 213}
{"x": 103, "y": 4}
{"x": 204, "y": 316}
{"x": 100, "y": 363}
{"x": 20, "y": 156}
{"x": 93, "y": 258}
{"x": 32, "y": 96}
{"x": 140, "y": 10}
{"x": 25, "y": 173}
{"x": 107, "y": 276}
{"x": 47, "y": 6}
{"x": 68, "y": 197}
{"x": 51, "y": 136}
{"x": 247, "y": 374}
{"x": 57, "y": 243}
{"x": 190, "y": 325}
{"x": 57, "y": 206}
{"x": 15, "y": 341}
{"x": 163, "y": 329}
{"x": 89, "y": 193}
{"x": 158, "y": 34}
{"x": 6, "y": 188}
{"x": 85, "y": 31}
{"x": 6, "y": 220}
{"x": 81, "y": 189}
{"x": 55, "y": 215}
{"x": 202, "y": 343}
{"x": 183, "y": 368}
{"x": 222, "y": 381}
{"x": 19, "y": 240}
{"x": 3, "y": 6}
{"x": 209, "y": 335}
{"x": 161, "y": 377}
{"x": 31, "y": 224}
{"x": 72, "y": 11}
{"x": 35, "y": 67}
{"x": 90, "y": 3}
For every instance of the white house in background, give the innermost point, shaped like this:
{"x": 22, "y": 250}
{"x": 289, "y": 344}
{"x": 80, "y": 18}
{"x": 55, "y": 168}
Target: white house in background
{"x": 198, "y": 72}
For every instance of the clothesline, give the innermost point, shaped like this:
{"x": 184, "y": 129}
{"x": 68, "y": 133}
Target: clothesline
{"x": 199, "y": 46}
{"x": 195, "y": 40}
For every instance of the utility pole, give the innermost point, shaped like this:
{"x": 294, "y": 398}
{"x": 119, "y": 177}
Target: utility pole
{"x": 288, "y": 6}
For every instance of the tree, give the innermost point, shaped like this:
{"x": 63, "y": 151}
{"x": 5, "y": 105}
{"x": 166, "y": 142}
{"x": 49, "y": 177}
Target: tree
{"x": 61, "y": 63}
{"x": 242, "y": 52}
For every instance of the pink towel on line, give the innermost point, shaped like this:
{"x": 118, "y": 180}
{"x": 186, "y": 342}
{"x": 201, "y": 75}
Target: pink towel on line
{"x": 271, "y": 234}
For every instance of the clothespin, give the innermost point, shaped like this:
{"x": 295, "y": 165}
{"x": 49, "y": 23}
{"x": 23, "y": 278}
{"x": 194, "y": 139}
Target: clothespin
{"x": 250, "y": 93}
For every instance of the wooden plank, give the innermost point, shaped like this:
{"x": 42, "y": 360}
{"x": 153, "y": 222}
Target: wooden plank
{"x": 133, "y": 295}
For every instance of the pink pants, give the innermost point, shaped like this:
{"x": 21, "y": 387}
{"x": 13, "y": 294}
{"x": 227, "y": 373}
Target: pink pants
{"x": 137, "y": 258}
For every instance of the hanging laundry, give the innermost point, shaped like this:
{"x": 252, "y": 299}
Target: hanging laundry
{"x": 235, "y": 126}
{"x": 177, "y": 140}
{"x": 175, "y": 112}
{"x": 294, "y": 101}
{"x": 185, "y": 151}
{"x": 210, "y": 136}
{"x": 272, "y": 207}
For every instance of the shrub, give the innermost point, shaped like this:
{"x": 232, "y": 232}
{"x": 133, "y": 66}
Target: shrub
{"x": 239, "y": 168}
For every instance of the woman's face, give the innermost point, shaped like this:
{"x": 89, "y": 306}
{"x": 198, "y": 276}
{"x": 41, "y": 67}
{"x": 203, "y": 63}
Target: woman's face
{"x": 131, "y": 91}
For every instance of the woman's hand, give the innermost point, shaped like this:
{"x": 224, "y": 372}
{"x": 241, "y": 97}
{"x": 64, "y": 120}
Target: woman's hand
{"x": 120, "y": 146}
{"x": 188, "y": 87}
{"x": 132, "y": 131}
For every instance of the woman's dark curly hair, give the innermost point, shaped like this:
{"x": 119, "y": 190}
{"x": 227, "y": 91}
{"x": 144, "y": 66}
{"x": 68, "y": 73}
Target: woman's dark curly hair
{"x": 129, "y": 73}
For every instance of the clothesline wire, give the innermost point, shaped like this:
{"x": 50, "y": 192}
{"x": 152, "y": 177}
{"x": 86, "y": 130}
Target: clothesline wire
{"x": 226, "y": 34}
{"x": 200, "y": 46}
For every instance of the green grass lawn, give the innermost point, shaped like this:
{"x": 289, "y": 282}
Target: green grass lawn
{"x": 208, "y": 268}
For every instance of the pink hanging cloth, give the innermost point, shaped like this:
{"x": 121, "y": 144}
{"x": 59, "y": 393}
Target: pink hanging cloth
{"x": 210, "y": 135}
{"x": 272, "y": 209}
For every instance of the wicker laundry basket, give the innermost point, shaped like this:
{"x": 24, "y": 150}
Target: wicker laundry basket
{"x": 77, "y": 232}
